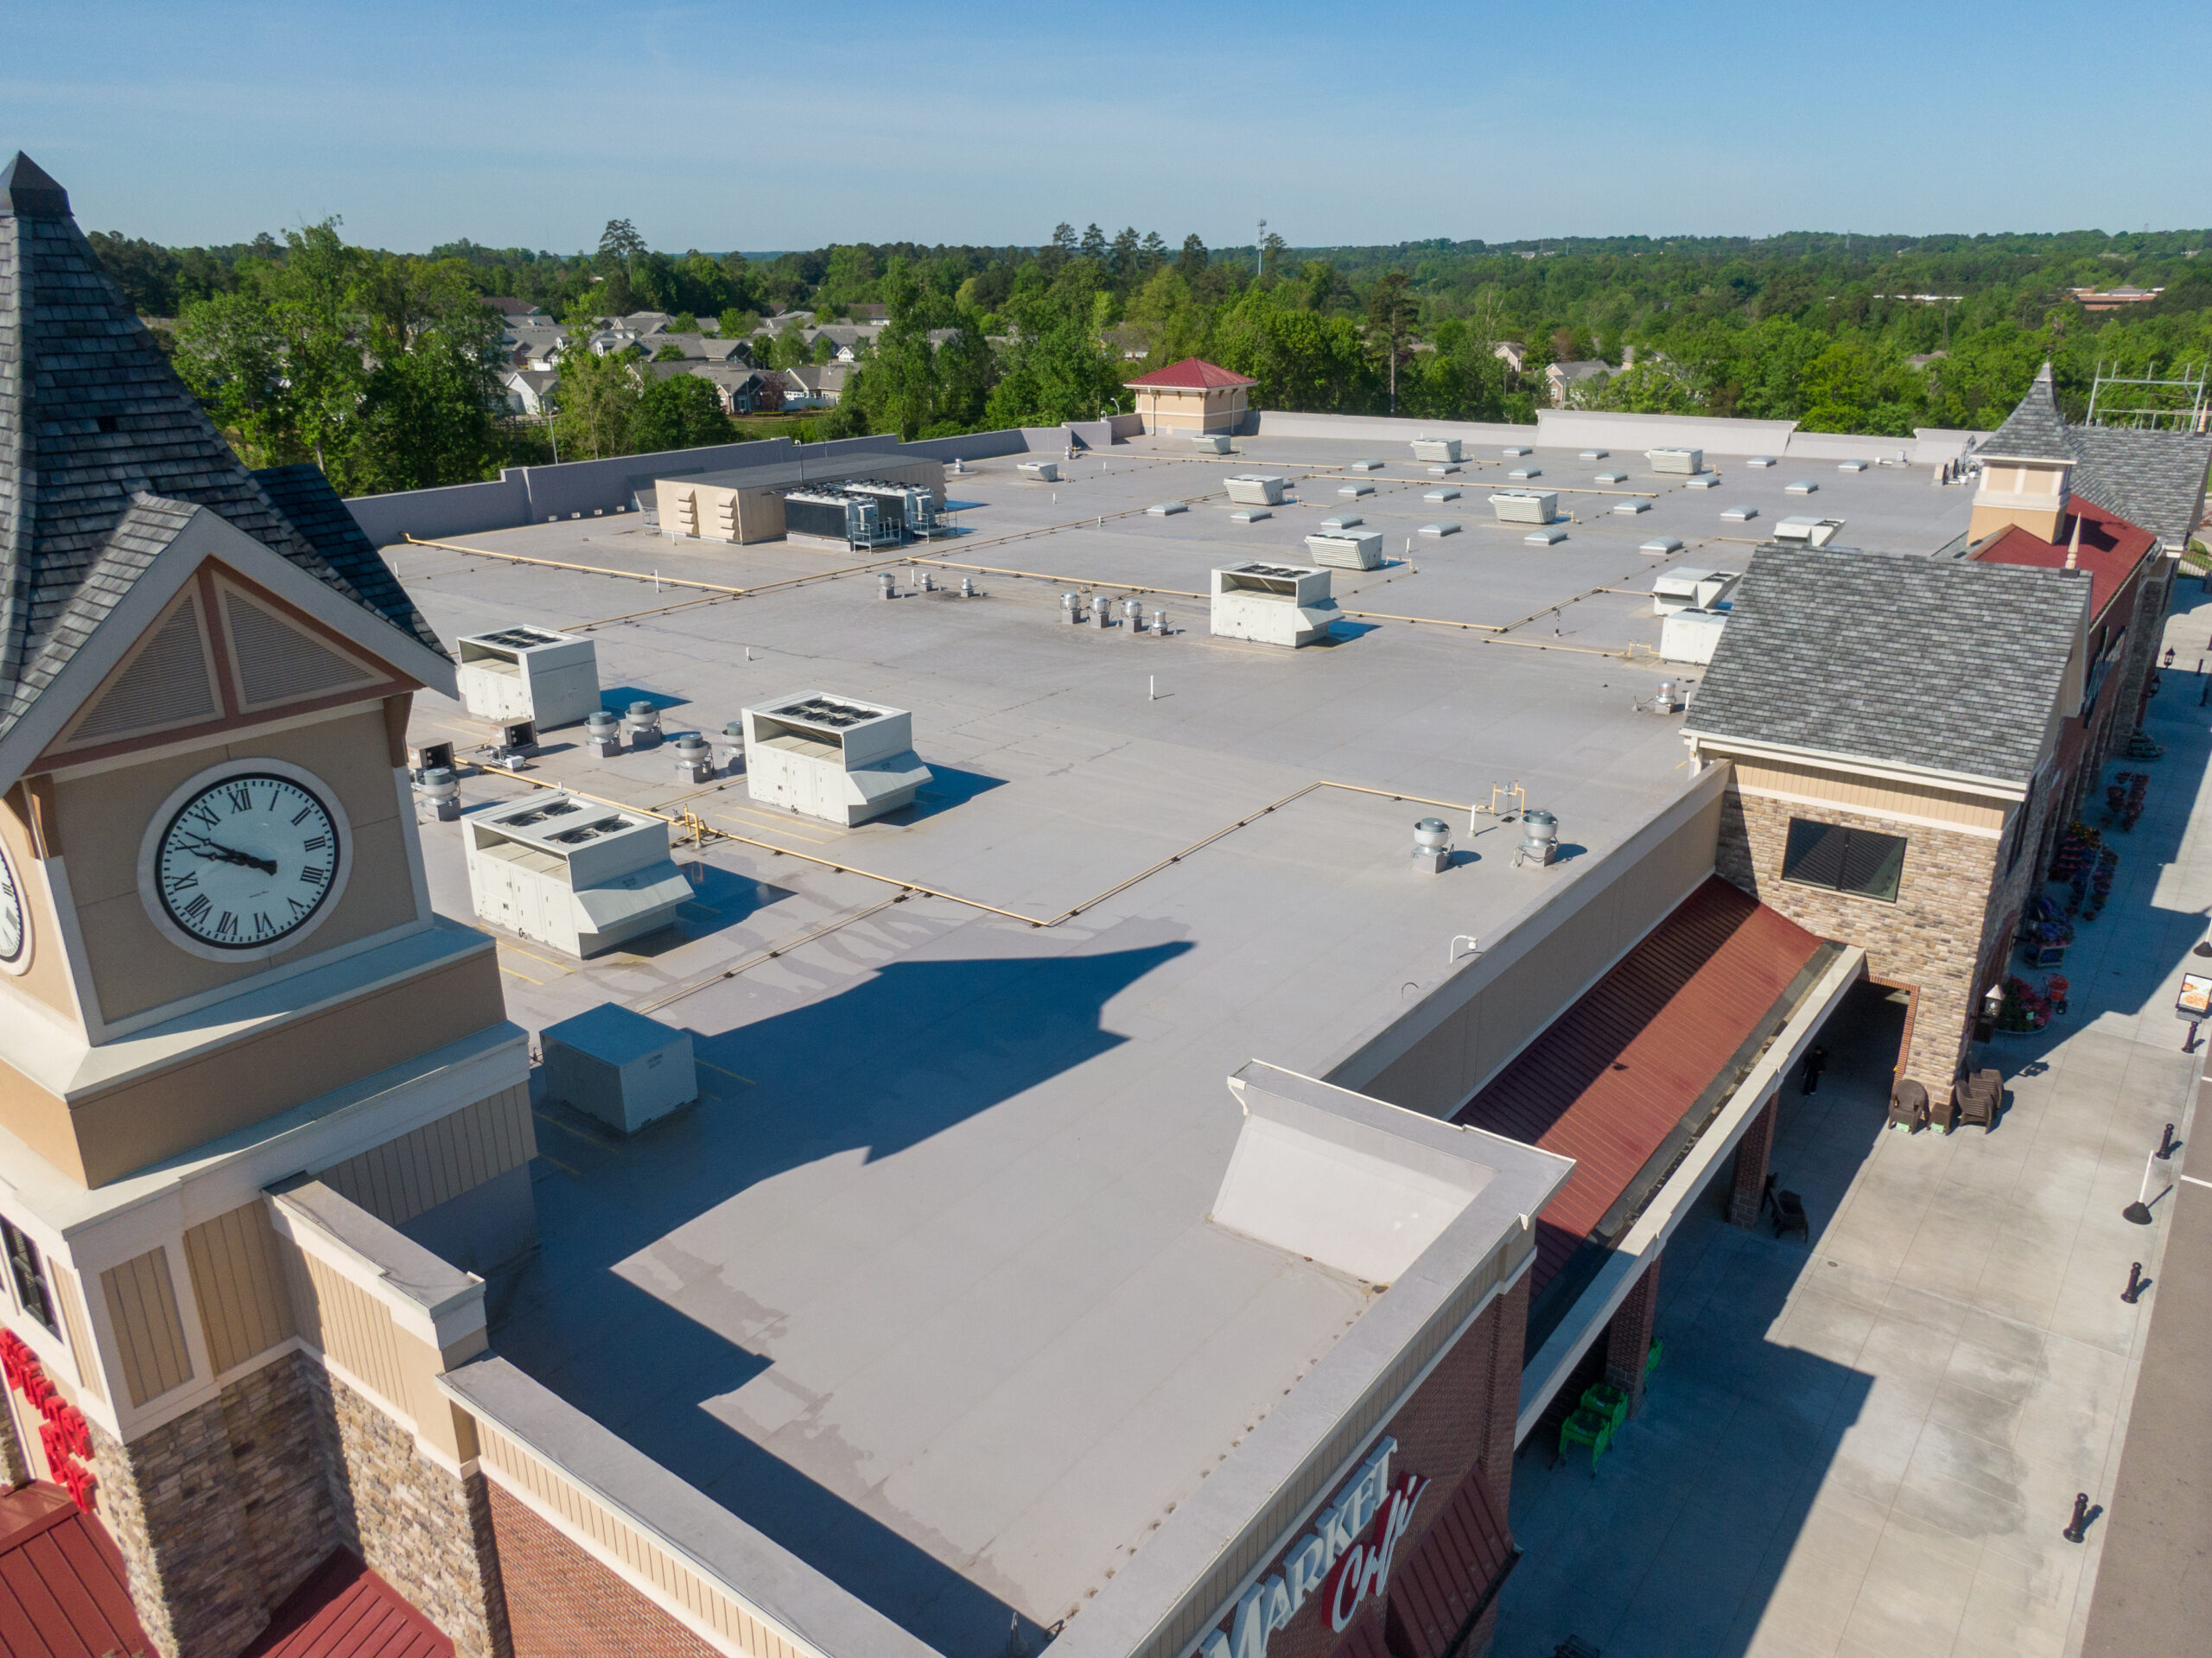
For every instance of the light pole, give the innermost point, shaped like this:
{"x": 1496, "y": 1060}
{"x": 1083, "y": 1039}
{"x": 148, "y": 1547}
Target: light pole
{"x": 1260, "y": 252}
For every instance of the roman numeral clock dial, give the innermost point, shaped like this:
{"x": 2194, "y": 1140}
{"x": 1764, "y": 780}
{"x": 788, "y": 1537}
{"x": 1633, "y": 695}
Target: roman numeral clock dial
{"x": 15, "y": 921}
{"x": 245, "y": 863}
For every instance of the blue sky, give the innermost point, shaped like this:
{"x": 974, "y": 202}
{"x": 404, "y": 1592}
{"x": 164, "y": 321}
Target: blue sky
{"x": 756, "y": 126}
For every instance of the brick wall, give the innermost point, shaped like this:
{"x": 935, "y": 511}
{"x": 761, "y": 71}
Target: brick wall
{"x": 563, "y": 1604}
{"x": 1462, "y": 1417}
{"x": 1932, "y": 937}
{"x": 423, "y": 1531}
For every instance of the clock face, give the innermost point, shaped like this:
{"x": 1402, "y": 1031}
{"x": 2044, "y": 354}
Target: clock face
{"x": 247, "y": 861}
{"x": 15, "y": 923}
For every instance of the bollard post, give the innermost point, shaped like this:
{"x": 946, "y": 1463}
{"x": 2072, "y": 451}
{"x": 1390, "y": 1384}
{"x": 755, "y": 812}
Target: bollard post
{"x": 2135, "y": 1282}
{"x": 2080, "y": 1523}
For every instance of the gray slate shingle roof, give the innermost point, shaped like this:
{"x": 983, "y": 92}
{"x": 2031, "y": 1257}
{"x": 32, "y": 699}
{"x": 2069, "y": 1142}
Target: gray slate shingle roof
{"x": 104, "y": 452}
{"x": 2155, "y": 479}
{"x": 1949, "y": 666}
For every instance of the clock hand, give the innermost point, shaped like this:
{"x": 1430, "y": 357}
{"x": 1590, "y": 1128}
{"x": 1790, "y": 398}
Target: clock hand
{"x": 208, "y": 849}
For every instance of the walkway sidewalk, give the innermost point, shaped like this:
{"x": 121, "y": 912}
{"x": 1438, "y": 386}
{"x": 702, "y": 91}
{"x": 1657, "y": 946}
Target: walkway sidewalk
{"x": 1869, "y": 1447}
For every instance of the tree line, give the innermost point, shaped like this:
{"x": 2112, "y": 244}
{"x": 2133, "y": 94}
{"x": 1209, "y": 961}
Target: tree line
{"x": 384, "y": 366}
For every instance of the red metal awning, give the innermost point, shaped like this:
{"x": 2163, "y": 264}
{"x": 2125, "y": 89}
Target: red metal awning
{"x": 62, "y": 1592}
{"x": 1612, "y": 1077}
{"x": 345, "y": 1611}
{"x": 1452, "y": 1574}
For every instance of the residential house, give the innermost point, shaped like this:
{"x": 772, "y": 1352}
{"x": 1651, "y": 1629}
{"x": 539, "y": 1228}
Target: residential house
{"x": 850, "y": 338}
{"x": 742, "y": 389}
{"x": 527, "y": 390}
{"x": 815, "y": 386}
{"x": 1512, "y": 353}
{"x": 869, "y": 313}
{"x": 534, "y": 342}
{"x": 512, "y": 309}
{"x": 1573, "y": 381}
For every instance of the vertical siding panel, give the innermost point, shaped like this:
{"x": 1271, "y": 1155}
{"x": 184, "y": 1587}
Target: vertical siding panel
{"x": 79, "y": 1328}
{"x": 143, "y": 1307}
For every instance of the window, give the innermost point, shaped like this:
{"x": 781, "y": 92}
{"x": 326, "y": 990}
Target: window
{"x": 1846, "y": 859}
{"x": 29, "y": 1274}
{"x": 2018, "y": 839}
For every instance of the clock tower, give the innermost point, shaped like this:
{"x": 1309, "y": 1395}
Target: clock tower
{"x": 233, "y": 1032}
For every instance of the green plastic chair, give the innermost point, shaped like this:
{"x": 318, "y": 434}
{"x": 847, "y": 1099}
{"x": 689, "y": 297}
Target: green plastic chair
{"x": 1588, "y": 1428}
{"x": 1603, "y": 1399}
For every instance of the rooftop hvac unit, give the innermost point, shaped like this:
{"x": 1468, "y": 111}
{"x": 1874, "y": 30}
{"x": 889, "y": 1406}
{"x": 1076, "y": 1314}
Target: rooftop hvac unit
{"x": 1210, "y": 442}
{"x": 1272, "y": 604}
{"x": 1684, "y": 589}
{"x": 528, "y": 673}
{"x": 832, "y": 515}
{"x": 571, "y": 874}
{"x": 1691, "y": 635}
{"x": 1689, "y": 460}
{"x": 832, "y": 757}
{"x": 1042, "y": 472}
{"x": 618, "y": 1066}
{"x": 1807, "y": 531}
{"x": 1361, "y": 551}
{"x": 1437, "y": 448}
{"x": 1525, "y": 505}
{"x": 900, "y": 509}
{"x": 1256, "y": 489}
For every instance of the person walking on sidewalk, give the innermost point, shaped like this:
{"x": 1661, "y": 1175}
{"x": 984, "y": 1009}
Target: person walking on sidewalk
{"x": 1816, "y": 1061}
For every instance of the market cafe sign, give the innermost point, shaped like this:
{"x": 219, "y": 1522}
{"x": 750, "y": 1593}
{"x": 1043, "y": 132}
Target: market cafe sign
{"x": 1344, "y": 1559}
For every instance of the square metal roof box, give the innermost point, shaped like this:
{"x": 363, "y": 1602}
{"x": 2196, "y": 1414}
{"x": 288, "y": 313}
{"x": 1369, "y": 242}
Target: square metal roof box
{"x": 1256, "y": 488}
{"x": 1438, "y": 448}
{"x": 1852, "y": 465}
{"x": 1044, "y": 472}
{"x": 1512, "y": 450}
{"x": 1249, "y": 515}
{"x": 1612, "y": 478}
{"x": 1525, "y": 505}
{"x": 1689, "y": 461}
{"x": 1355, "y": 491}
{"x": 1705, "y": 480}
{"x": 620, "y": 1066}
{"x": 1341, "y": 520}
{"x": 1524, "y": 473}
{"x": 1596, "y": 454}
{"x": 1739, "y": 514}
{"x": 1441, "y": 527}
{"x": 1545, "y": 538}
{"x": 1762, "y": 461}
{"x": 1166, "y": 509}
{"x": 1802, "y": 487}
{"x": 1210, "y": 442}
{"x": 1367, "y": 466}
{"x": 1661, "y": 546}
{"x": 1441, "y": 495}
{"x": 1356, "y": 552}
{"x": 1630, "y": 509}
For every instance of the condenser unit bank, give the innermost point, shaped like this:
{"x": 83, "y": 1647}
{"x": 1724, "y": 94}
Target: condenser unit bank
{"x": 1272, "y": 604}
{"x": 1347, "y": 551}
{"x": 1689, "y": 460}
{"x": 900, "y": 510}
{"x": 835, "y": 758}
{"x": 571, "y": 874}
{"x": 1255, "y": 489}
{"x": 1437, "y": 448}
{"x": 528, "y": 673}
{"x": 618, "y": 1066}
{"x": 1525, "y": 505}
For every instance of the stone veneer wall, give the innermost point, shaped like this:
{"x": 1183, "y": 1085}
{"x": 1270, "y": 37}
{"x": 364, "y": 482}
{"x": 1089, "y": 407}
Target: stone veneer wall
{"x": 425, "y": 1532}
{"x": 171, "y": 1502}
{"x": 1932, "y": 937}
{"x": 563, "y": 1604}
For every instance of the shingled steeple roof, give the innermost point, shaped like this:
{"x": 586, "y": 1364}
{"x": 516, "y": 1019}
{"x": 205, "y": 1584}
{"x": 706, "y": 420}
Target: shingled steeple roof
{"x": 104, "y": 452}
{"x": 2034, "y": 430}
{"x": 2151, "y": 477}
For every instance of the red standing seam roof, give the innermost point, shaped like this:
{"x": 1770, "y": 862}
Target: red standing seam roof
{"x": 2111, "y": 549}
{"x": 345, "y": 1611}
{"x": 62, "y": 1592}
{"x": 1612, "y": 1076}
{"x": 1192, "y": 374}
{"x": 1461, "y": 1558}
